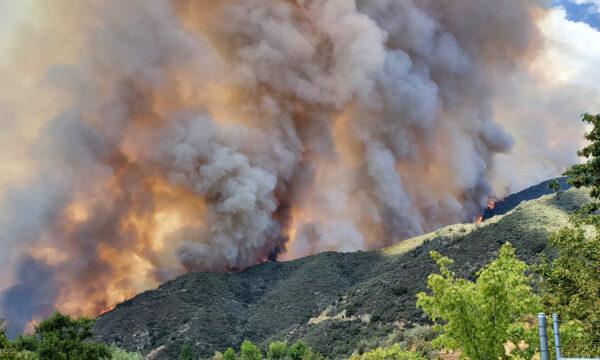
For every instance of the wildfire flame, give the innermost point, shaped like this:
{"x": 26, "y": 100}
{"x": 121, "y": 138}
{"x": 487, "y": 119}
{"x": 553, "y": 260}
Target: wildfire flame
{"x": 108, "y": 309}
{"x": 190, "y": 136}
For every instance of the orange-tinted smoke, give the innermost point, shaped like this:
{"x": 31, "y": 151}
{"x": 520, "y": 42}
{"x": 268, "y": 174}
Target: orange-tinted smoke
{"x": 155, "y": 138}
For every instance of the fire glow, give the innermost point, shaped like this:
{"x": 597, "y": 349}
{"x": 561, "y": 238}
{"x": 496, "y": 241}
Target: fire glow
{"x": 193, "y": 135}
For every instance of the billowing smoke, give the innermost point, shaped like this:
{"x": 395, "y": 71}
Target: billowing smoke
{"x": 143, "y": 139}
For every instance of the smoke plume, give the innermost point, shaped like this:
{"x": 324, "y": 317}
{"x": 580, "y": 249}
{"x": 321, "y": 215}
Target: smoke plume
{"x": 143, "y": 139}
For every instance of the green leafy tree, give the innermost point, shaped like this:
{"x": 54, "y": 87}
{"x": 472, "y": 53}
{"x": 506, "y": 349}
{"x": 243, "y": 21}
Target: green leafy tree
{"x": 588, "y": 174}
{"x": 554, "y": 185}
{"x": 229, "y": 354}
{"x": 62, "y": 337}
{"x": 186, "y": 352}
{"x": 477, "y": 317}
{"x": 249, "y": 351}
{"x": 297, "y": 350}
{"x": 570, "y": 285}
{"x": 393, "y": 353}
{"x": 277, "y": 350}
{"x": 13, "y": 354}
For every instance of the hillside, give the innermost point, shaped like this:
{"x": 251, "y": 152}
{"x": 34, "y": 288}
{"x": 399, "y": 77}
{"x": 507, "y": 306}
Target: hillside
{"x": 508, "y": 203}
{"x": 336, "y": 302}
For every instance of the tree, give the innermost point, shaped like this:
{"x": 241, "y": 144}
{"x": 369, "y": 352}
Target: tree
{"x": 588, "y": 174}
{"x": 554, "y": 185}
{"x": 277, "y": 350}
{"x": 249, "y": 351}
{"x": 478, "y": 317}
{"x": 395, "y": 352}
{"x": 3, "y": 338}
{"x": 297, "y": 350}
{"x": 570, "y": 285}
{"x": 229, "y": 354}
{"x": 61, "y": 337}
{"x": 186, "y": 352}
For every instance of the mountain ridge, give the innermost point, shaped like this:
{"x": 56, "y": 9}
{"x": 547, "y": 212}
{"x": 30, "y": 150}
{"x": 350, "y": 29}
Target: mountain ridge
{"x": 336, "y": 302}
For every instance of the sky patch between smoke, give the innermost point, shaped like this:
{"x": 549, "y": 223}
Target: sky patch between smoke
{"x": 587, "y": 11}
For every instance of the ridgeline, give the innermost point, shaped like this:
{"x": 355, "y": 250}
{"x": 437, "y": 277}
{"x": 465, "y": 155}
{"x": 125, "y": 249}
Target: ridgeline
{"x": 336, "y": 302}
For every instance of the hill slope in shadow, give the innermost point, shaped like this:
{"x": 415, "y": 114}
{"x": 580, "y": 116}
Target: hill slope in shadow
{"x": 336, "y": 302}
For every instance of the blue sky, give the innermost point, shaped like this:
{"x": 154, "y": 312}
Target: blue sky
{"x": 582, "y": 10}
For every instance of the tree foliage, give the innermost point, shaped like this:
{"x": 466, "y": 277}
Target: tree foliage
{"x": 297, "y": 350}
{"x": 570, "y": 285}
{"x": 554, "y": 185}
{"x": 186, "y": 352}
{"x": 60, "y": 338}
{"x": 393, "y": 353}
{"x": 249, "y": 351}
{"x": 229, "y": 354}
{"x": 277, "y": 350}
{"x": 588, "y": 173}
{"x": 478, "y": 318}
{"x": 117, "y": 353}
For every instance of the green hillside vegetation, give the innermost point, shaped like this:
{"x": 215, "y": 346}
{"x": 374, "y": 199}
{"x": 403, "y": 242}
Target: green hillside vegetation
{"x": 492, "y": 317}
{"x": 338, "y": 303}
{"x": 60, "y": 337}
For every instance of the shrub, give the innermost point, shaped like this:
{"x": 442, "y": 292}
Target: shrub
{"x": 229, "y": 354}
{"x": 297, "y": 350}
{"x": 277, "y": 350}
{"x": 393, "y": 353}
{"x": 186, "y": 352}
{"x": 249, "y": 351}
{"x": 117, "y": 353}
{"x": 12, "y": 354}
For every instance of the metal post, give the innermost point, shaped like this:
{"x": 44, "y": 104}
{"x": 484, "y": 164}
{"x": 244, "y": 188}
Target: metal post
{"x": 555, "y": 325}
{"x": 543, "y": 336}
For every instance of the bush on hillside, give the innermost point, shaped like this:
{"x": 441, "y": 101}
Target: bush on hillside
{"x": 249, "y": 351}
{"x": 277, "y": 350}
{"x": 229, "y": 354}
{"x": 187, "y": 353}
{"x": 393, "y": 353}
{"x": 297, "y": 350}
{"x": 117, "y": 353}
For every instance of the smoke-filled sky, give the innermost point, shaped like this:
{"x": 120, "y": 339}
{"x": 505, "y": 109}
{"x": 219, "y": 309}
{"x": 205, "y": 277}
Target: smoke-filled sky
{"x": 144, "y": 139}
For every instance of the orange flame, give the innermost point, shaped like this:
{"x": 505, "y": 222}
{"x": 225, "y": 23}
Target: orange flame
{"x": 108, "y": 309}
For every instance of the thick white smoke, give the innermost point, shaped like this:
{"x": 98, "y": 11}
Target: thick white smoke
{"x": 144, "y": 139}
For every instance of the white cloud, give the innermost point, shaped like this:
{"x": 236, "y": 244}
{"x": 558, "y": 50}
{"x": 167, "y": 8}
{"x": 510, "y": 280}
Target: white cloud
{"x": 541, "y": 104}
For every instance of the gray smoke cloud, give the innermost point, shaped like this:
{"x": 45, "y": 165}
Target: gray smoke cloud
{"x": 149, "y": 138}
